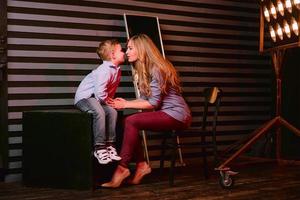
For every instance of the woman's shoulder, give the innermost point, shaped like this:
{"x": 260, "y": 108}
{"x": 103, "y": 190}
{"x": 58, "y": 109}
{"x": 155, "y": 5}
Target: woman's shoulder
{"x": 156, "y": 73}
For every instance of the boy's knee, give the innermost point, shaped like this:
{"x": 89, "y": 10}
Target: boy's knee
{"x": 98, "y": 112}
{"x": 114, "y": 112}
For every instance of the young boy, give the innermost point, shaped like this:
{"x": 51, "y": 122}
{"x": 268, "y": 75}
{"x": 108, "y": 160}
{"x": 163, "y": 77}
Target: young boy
{"x": 94, "y": 91}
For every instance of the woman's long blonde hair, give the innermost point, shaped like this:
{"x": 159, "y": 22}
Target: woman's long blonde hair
{"x": 150, "y": 61}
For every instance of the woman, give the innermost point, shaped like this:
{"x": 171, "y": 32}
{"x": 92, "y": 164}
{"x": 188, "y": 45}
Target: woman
{"x": 160, "y": 92}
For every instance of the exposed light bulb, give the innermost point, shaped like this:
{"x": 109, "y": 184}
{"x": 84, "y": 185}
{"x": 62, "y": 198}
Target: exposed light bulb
{"x": 297, "y": 3}
{"x": 295, "y": 26}
{"x": 279, "y": 31}
{"x": 266, "y": 14}
{"x": 288, "y": 5}
{"x": 280, "y": 7}
{"x": 272, "y": 33}
{"x": 287, "y": 29}
{"x": 273, "y": 11}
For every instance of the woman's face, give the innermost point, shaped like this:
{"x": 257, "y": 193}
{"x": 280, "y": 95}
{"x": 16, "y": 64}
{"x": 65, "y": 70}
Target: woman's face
{"x": 131, "y": 52}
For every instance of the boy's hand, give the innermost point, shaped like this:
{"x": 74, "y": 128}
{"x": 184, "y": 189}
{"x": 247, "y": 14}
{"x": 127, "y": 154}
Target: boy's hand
{"x": 117, "y": 103}
{"x": 108, "y": 100}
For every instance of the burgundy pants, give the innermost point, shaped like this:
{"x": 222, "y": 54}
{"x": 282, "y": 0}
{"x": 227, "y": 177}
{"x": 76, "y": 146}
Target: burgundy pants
{"x": 151, "y": 121}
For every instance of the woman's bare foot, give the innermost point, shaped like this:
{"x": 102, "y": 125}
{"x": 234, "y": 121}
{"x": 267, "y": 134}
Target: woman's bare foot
{"x": 142, "y": 169}
{"x": 120, "y": 174}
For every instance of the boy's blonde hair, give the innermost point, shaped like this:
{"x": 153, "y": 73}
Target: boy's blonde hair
{"x": 106, "y": 47}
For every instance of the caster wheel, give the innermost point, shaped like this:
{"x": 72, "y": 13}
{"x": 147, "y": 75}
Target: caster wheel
{"x": 226, "y": 182}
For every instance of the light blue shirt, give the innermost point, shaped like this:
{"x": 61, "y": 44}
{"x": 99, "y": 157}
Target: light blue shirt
{"x": 172, "y": 103}
{"x": 102, "y": 82}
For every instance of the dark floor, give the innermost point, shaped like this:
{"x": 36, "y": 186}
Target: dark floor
{"x": 260, "y": 181}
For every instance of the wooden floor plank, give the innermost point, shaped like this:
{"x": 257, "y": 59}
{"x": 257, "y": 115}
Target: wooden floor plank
{"x": 254, "y": 182}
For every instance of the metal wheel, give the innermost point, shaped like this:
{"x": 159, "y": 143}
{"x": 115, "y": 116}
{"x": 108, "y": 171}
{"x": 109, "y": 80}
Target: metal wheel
{"x": 226, "y": 181}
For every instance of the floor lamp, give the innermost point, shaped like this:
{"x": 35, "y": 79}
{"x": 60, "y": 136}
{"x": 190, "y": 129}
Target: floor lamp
{"x": 281, "y": 18}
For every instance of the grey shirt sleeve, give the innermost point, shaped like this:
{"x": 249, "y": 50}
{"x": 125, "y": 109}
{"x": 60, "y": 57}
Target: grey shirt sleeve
{"x": 156, "y": 96}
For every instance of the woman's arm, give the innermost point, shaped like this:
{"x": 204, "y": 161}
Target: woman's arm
{"x": 120, "y": 103}
{"x": 144, "y": 103}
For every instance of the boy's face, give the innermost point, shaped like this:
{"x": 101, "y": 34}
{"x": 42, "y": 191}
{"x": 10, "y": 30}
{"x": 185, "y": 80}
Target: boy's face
{"x": 118, "y": 56}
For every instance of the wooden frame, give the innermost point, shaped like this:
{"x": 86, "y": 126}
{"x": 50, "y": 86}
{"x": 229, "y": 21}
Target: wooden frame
{"x": 262, "y": 48}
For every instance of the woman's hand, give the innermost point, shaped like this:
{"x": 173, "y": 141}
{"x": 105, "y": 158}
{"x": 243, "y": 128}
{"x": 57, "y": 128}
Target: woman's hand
{"x": 117, "y": 103}
{"x": 120, "y": 103}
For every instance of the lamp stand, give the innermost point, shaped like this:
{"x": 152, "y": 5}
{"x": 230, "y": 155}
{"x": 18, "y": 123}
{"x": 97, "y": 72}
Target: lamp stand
{"x": 277, "y": 122}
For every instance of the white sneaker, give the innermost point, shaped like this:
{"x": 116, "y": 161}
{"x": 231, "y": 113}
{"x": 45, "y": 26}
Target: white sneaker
{"x": 113, "y": 153}
{"x": 103, "y": 156}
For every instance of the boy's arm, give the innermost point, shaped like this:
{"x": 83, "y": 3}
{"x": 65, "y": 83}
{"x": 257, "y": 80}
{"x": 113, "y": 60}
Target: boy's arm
{"x": 100, "y": 82}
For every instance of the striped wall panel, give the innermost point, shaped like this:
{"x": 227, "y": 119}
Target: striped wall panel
{"x": 51, "y": 47}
